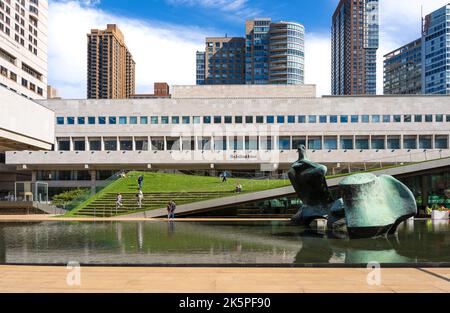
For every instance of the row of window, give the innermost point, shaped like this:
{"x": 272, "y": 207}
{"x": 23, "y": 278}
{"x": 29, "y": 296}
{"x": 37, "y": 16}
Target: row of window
{"x": 223, "y": 143}
{"x": 269, "y": 119}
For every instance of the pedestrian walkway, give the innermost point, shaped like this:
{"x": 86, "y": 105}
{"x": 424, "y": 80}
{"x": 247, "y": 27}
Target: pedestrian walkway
{"x": 221, "y": 280}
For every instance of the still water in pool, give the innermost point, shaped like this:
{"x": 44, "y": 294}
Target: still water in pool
{"x": 221, "y": 243}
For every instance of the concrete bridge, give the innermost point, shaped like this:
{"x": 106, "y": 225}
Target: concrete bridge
{"x": 221, "y": 203}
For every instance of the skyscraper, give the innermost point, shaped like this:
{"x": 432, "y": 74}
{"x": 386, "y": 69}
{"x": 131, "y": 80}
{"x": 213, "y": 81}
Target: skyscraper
{"x": 354, "y": 41}
{"x": 223, "y": 61}
{"x": 270, "y": 53}
{"x": 403, "y": 70}
{"x": 435, "y": 58}
{"x": 111, "y": 68}
{"x": 23, "y": 47}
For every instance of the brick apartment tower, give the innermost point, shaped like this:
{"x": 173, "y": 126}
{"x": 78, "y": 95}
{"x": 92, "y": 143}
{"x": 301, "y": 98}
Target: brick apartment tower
{"x": 111, "y": 68}
{"x": 354, "y": 45}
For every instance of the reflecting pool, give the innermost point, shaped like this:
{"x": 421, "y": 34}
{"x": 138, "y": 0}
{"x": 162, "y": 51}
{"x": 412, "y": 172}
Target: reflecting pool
{"x": 221, "y": 243}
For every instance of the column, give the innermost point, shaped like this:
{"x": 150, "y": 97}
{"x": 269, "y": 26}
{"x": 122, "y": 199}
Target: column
{"x": 149, "y": 139}
{"x": 33, "y": 176}
{"x": 93, "y": 181}
{"x": 71, "y": 143}
{"x": 165, "y": 143}
{"x": 133, "y": 143}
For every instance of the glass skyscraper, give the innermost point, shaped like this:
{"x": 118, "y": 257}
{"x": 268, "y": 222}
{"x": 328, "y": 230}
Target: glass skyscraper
{"x": 270, "y": 53}
{"x": 435, "y": 57}
{"x": 355, "y": 41}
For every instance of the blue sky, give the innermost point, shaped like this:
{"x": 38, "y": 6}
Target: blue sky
{"x": 163, "y": 35}
{"x": 214, "y": 14}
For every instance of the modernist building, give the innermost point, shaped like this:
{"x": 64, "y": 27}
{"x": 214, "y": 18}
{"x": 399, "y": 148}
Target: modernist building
{"x": 270, "y": 53}
{"x": 111, "y": 68}
{"x": 403, "y": 70}
{"x": 222, "y": 62}
{"x": 436, "y": 70}
{"x": 242, "y": 128}
{"x": 354, "y": 41}
{"x": 23, "y": 47}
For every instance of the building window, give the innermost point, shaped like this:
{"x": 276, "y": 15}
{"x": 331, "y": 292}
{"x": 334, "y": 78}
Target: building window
{"x": 60, "y": 120}
{"x": 407, "y": 118}
{"x": 386, "y": 118}
{"x": 110, "y": 144}
{"x": 312, "y": 119}
{"x": 217, "y": 119}
{"x": 126, "y": 144}
{"x": 330, "y": 143}
{"x": 122, "y": 120}
{"x": 376, "y": 119}
{"x": 365, "y": 118}
{"x": 425, "y": 142}
{"x": 228, "y": 119}
{"x": 64, "y": 145}
{"x": 95, "y": 145}
{"x": 302, "y": 119}
{"x": 260, "y": 119}
{"x": 251, "y": 143}
{"x": 196, "y": 119}
{"x": 439, "y": 118}
{"x": 362, "y": 143}
{"x": 173, "y": 143}
{"x": 397, "y": 118}
{"x": 314, "y": 143}
{"x": 249, "y": 119}
{"x": 322, "y": 119}
{"x": 333, "y": 119}
{"x": 393, "y": 142}
{"x": 428, "y": 118}
{"x": 291, "y": 119}
{"x": 441, "y": 142}
{"x": 270, "y": 119}
{"x": 409, "y": 142}
{"x": 112, "y": 120}
{"x": 102, "y": 120}
{"x": 220, "y": 143}
{"x": 204, "y": 143}
{"x": 144, "y": 120}
{"x": 91, "y": 120}
{"x": 344, "y": 119}
{"x": 70, "y": 120}
{"x": 377, "y": 143}
{"x": 266, "y": 143}
{"x": 133, "y": 120}
{"x": 81, "y": 120}
{"x": 418, "y": 118}
{"x": 280, "y": 120}
{"x": 175, "y": 120}
{"x": 237, "y": 143}
{"x": 186, "y": 119}
{"x": 164, "y": 120}
{"x": 154, "y": 120}
{"x": 346, "y": 143}
{"x": 79, "y": 145}
{"x": 238, "y": 119}
{"x": 141, "y": 144}
{"x": 355, "y": 118}
{"x": 157, "y": 143}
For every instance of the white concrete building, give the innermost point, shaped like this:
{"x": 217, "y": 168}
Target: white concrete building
{"x": 252, "y": 133}
{"x": 23, "y": 47}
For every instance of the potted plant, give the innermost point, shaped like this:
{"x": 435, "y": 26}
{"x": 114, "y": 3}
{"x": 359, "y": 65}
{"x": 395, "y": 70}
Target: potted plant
{"x": 439, "y": 212}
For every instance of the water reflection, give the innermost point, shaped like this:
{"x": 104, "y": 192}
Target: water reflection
{"x": 215, "y": 243}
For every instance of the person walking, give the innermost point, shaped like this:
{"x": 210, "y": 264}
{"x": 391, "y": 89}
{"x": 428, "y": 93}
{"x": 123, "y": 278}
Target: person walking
{"x": 139, "y": 198}
{"x": 140, "y": 181}
{"x": 169, "y": 210}
{"x": 118, "y": 201}
{"x": 224, "y": 177}
{"x": 173, "y": 208}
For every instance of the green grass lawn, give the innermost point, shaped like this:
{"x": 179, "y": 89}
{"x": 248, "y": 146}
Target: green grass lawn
{"x": 159, "y": 182}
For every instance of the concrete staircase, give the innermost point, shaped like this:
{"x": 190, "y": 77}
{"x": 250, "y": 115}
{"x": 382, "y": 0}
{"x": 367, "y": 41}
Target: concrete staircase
{"x": 105, "y": 206}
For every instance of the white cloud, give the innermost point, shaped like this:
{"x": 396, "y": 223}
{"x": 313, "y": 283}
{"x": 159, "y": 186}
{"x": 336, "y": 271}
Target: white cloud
{"x": 162, "y": 52}
{"x": 318, "y": 62}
